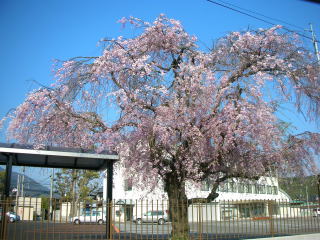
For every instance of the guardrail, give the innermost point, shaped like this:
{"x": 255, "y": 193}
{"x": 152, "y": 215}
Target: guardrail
{"x": 38, "y": 218}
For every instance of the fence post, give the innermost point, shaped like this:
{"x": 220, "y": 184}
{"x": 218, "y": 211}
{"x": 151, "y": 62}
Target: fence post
{"x": 109, "y": 200}
{"x": 4, "y": 205}
{"x": 199, "y": 221}
{"x": 6, "y": 196}
{"x": 270, "y": 208}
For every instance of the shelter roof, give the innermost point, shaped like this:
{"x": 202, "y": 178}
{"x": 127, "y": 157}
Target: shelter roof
{"x": 55, "y": 157}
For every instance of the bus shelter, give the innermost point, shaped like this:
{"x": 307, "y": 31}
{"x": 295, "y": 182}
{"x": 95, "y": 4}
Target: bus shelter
{"x": 54, "y": 157}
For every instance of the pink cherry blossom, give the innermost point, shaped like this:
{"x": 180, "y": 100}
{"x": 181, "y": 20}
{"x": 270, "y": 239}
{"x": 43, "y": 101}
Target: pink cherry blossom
{"x": 181, "y": 114}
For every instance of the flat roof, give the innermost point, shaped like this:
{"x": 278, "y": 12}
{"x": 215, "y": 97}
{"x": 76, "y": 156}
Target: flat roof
{"x": 55, "y": 157}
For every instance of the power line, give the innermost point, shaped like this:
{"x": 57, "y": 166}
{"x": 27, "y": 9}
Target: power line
{"x": 265, "y": 16}
{"x": 260, "y": 19}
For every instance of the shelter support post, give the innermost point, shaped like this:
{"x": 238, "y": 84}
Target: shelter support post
{"x": 109, "y": 200}
{"x": 8, "y": 176}
{"x": 5, "y": 200}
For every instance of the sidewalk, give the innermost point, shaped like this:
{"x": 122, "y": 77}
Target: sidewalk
{"x": 314, "y": 236}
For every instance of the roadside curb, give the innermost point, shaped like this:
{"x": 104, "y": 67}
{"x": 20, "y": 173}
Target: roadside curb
{"x": 314, "y": 236}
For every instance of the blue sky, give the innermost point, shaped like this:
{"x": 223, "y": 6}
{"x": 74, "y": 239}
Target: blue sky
{"x": 35, "y": 32}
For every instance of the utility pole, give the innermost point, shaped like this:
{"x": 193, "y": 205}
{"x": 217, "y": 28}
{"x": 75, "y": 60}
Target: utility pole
{"x": 51, "y": 192}
{"x": 22, "y": 181}
{"x": 316, "y": 49}
{"x": 307, "y": 195}
{"x": 318, "y": 184}
{"x": 315, "y": 43}
{"x": 18, "y": 193}
{"x": 74, "y": 186}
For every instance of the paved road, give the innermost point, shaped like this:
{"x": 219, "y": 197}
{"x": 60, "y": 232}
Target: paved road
{"x": 212, "y": 230}
{"x": 314, "y": 236}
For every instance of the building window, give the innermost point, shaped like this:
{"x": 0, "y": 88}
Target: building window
{"x": 248, "y": 188}
{"x": 274, "y": 190}
{"x": 255, "y": 188}
{"x": 128, "y": 185}
{"x": 258, "y": 209}
{"x": 275, "y": 208}
{"x": 223, "y": 187}
{"x": 262, "y": 189}
{"x": 232, "y": 187}
{"x": 205, "y": 185}
{"x": 244, "y": 210}
{"x": 269, "y": 189}
{"x": 241, "y": 187}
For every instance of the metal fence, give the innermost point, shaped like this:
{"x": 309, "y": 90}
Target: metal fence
{"x": 37, "y": 218}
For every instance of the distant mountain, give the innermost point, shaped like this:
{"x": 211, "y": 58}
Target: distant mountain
{"x": 31, "y": 187}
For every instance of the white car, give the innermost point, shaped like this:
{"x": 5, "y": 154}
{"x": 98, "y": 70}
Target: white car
{"x": 89, "y": 217}
{"x": 316, "y": 212}
{"x": 159, "y": 217}
{"x": 11, "y": 216}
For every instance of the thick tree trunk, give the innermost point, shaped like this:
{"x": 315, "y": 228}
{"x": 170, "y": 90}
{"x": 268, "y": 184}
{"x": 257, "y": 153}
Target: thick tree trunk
{"x": 178, "y": 207}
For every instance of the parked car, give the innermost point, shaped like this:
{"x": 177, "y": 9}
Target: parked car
{"x": 13, "y": 217}
{"x": 316, "y": 212}
{"x": 89, "y": 217}
{"x": 159, "y": 217}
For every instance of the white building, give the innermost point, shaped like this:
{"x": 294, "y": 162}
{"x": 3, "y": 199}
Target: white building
{"x": 28, "y": 208}
{"x": 237, "y": 198}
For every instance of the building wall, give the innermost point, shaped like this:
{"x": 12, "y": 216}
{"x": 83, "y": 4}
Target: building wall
{"x": 237, "y": 199}
{"x": 204, "y": 212}
{"x": 266, "y": 188}
{"x": 136, "y": 193}
{"x": 28, "y": 207}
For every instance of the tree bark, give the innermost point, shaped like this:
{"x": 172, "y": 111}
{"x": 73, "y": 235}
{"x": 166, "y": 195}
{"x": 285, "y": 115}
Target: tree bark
{"x": 178, "y": 207}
